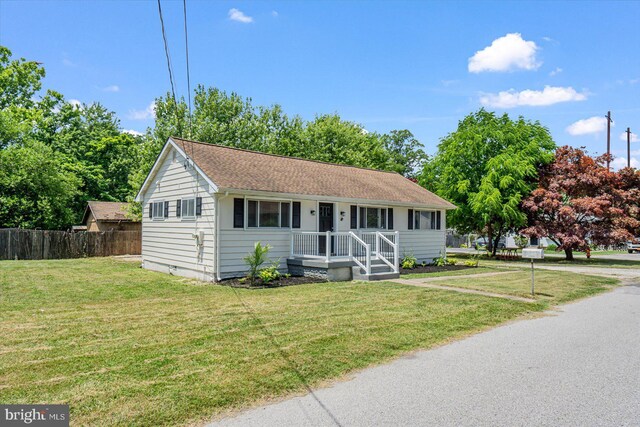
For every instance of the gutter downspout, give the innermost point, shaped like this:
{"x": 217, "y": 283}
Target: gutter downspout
{"x": 216, "y": 247}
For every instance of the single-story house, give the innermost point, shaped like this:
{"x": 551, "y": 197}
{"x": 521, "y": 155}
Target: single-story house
{"x": 205, "y": 206}
{"x": 108, "y": 216}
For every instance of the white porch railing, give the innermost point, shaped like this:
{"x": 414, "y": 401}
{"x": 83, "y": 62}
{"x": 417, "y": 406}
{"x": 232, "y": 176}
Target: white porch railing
{"x": 347, "y": 245}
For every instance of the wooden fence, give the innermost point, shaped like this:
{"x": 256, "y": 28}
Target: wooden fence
{"x": 17, "y": 243}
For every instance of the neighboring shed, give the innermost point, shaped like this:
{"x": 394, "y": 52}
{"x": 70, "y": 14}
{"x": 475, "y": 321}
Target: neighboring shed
{"x": 108, "y": 216}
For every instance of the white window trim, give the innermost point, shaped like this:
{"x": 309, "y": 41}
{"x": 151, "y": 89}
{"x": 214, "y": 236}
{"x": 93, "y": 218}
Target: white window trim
{"x": 258, "y": 226}
{"x": 386, "y": 228}
{"x": 182, "y": 211}
{"x": 153, "y": 216}
{"x": 417, "y": 213}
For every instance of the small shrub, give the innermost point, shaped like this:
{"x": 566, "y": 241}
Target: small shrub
{"x": 463, "y": 246}
{"x": 451, "y": 261}
{"x": 269, "y": 274}
{"x": 440, "y": 261}
{"x": 552, "y": 247}
{"x": 471, "y": 263}
{"x": 255, "y": 259}
{"x": 409, "y": 262}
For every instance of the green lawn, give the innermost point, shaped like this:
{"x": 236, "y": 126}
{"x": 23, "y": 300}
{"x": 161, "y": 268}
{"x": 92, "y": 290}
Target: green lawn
{"x": 124, "y": 345}
{"x": 554, "y": 287}
{"x": 556, "y": 259}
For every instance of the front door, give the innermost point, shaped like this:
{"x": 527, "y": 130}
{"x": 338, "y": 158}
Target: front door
{"x": 325, "y": 223}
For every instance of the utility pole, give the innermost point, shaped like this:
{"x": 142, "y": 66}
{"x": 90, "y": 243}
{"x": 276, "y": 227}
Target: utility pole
{"x": 628, "y": 147}
{"x": 608, "y": 116}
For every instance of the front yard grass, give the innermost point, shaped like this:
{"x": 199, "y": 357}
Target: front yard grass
{"x": 553, "y": 287}
{"x": 123, "y": 345}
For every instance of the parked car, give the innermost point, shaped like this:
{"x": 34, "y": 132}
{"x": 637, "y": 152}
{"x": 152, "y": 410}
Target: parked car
{"x": 483, "y": 242}
{"x": 634, "y": 246}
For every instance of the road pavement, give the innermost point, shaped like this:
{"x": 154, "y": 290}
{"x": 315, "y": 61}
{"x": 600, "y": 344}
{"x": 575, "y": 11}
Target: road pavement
{"x": 579, "y": 366}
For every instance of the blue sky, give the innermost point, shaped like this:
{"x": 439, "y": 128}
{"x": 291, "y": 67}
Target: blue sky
{"x": 387, "y": 65}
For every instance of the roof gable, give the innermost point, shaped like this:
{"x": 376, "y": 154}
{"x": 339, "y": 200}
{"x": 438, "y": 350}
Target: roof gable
{"x": 238, "y": 169}
{"x": 106, "y": 211}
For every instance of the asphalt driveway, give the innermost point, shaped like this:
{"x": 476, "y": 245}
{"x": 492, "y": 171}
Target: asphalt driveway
{"x": 579, "y": 366}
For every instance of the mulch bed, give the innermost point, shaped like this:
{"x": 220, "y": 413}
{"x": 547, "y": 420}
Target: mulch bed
{"x": 284, "y": 281}
{"x": 433, "y": 269}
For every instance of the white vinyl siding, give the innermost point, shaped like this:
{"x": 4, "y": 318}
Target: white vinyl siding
{"x": 169, "y": 245}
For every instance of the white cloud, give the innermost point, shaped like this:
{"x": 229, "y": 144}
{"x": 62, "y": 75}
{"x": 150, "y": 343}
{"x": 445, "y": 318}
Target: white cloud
{"x": 534, "y": 98}
{"x": 505, "y": 54}
{"x": 634, "y": 81}
{"x": 68, "y": 63}
{"x": 555, "y": 72}
{"x": 595, "y": 124}
{"x": 112, "y": 88}
{"x": 147, "y": 113}
{"x": 239, "y": 16}
{"x": 132, "y": 132}
{"x": 621, "y": 162}
{"x": 634, "y": 137}
{"x": 548, "y": 39}
{"x": 274, "y": 13}
{"x": 76, "y": 103}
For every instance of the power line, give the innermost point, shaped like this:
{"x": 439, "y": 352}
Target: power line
{"x": 169, "y": 67}
{"x": 186, "y": 48}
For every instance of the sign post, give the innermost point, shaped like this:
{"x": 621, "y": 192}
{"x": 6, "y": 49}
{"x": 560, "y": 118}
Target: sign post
{"x": 533, "y": 253}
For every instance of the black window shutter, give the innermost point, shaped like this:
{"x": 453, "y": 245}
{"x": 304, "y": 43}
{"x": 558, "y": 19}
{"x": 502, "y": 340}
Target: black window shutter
{"x": 410, "y": 220}
{"x": 178, "y": 207}
{"x": 390, "y": 219}
{"x": 150, "y": 210}
{"x": 354, "y": 217}
{"x": 439, "y": 220}
{"x": 198, "y": 206}
{"x": 295, "y": 217}
{"x": 284, "y": 214}
{"x": 363, "y": 217}
{"x": 166, "y": 209}
{"x": 238, "y": 213}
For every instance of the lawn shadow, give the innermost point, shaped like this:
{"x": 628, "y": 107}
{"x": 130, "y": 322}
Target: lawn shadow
{"x": 286, "y": 358}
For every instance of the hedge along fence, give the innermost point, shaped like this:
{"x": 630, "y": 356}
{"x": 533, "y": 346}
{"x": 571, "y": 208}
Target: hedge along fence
{"x": 17, "y": 243}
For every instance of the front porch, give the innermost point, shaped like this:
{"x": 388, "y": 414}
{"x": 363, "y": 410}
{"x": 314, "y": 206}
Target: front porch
{"x": 336, "y": 256}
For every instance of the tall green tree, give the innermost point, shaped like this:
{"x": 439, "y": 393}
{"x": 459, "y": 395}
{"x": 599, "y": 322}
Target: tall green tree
{"x": 93, "y": 157}
{"x": 36, "y": 191}
{"x": 486, "y": 167}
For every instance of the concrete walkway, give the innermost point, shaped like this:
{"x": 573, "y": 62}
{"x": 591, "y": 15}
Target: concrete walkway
{"x": 427, "y": 283}
{"x": 577, "y": 367}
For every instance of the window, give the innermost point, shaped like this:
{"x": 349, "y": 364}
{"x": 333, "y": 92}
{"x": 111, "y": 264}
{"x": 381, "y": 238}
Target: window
{"x": 188, "y": 208}
{"x": 373, "y": 218}
{"x": 158, "y": 209}
{"x": 427, "y": 220}
{"x": 267, "y": 214}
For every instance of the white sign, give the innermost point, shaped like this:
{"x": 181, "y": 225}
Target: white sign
{"x": 533, "y": 253}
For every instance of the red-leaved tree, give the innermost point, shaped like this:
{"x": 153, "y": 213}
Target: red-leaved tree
{"x": 579, "y": 202}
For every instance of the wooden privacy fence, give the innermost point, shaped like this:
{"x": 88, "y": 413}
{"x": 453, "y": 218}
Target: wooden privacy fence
{"x": 17, "y": 243}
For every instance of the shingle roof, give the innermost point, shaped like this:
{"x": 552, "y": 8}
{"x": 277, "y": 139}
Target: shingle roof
{"x": 238, "y": 169}
{"x": 107, "y": 211}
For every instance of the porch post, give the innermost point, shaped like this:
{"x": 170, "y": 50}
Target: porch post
{"x": 292, "y": 236}
{"x": 368, "y": 260}
{"x": 396, "y": 254}
{"x": 328, "y": 245}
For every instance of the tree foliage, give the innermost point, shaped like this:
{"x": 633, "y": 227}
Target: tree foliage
{"x": 487, "y": 167}
{"x": 579, "y": 202}
{"x": 231, "y": 120}
{"x": 80, "y": 148}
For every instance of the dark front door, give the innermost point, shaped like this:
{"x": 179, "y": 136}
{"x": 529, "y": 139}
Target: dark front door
{"x": 325, "y": 223}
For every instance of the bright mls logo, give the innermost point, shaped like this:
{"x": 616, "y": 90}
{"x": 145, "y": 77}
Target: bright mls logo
{"x": 34, "y": 415}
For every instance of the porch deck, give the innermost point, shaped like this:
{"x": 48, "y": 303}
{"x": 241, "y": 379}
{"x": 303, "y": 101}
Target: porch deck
{"x": 345, "y": 255}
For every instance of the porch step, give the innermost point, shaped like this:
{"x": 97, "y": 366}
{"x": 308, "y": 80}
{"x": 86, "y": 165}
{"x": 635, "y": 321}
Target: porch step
{"x": 378, "y": 272}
